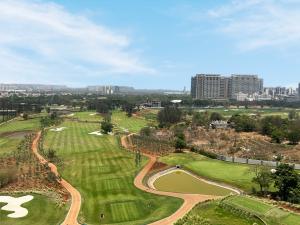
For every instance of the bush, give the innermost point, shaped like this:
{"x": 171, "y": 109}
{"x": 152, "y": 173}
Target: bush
{"x": 205, "y": 153}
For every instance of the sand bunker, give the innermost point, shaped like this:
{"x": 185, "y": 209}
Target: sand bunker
{"x": 92, "y": 114}
{"x": 70, "y": 115}
{"x": 98, "y": 133}
{"x": 58, "y": 129}
{"x": 14, "y": 205}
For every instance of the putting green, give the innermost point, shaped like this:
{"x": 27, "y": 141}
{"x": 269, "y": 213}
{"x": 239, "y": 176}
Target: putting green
{"x": 182, "y": 182}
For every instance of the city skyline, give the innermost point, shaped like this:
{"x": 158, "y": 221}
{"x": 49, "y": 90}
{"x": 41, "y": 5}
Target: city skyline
{"x": 145, "y": 44}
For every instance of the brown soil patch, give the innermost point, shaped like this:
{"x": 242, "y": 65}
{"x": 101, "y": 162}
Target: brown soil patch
{"x": 158, "y": 166}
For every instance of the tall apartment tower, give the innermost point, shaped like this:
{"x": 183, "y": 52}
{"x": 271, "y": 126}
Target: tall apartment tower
{"x": 209, "y": 86}
{"x": 215, "y": 86}
{"x": 299, "y": 90}
{"x": 246, "y": 84}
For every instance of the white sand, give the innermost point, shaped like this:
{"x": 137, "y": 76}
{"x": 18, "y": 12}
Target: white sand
{"x": 92, "y": 114}
{"x": 124, "y": 129}
{"x": 58, "y": 129}
{"x": 98, "y": 133}
{"x": 14, "y": 205}
{"x": 70, "y": 115}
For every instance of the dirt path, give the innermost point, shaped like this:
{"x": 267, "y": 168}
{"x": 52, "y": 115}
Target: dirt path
{"x": 190, "y": 200}
{"x": 71, "y": 218}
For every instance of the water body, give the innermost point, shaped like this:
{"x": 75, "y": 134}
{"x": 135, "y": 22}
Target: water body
{"x": 182, "y": 182}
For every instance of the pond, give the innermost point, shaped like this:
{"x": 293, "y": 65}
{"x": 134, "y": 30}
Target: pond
{"x": 181, "y": 181}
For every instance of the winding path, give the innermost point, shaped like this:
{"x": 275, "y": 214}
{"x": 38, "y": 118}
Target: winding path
{"x": 71, "y": 218}
{"x": 190, "y": 200}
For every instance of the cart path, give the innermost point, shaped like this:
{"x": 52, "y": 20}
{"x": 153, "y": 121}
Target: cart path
{"x": 71, "y": 218}
{"x": 190, "y": 200}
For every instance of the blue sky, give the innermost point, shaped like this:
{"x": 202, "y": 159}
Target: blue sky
{"x": 148, "y": 44}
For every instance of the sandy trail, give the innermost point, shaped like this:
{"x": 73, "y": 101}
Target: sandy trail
{"x": 71, "y": 218}
{"x": 190, "y": 200}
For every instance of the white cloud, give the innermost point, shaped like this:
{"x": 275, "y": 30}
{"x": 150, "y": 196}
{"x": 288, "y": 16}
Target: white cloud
{"x": 44, "y": 41}
{"x": 260, "y": 23}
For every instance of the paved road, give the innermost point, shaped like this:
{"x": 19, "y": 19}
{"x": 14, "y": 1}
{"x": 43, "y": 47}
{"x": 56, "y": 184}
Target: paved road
{"x": 71, "y": 218}
{"x": 190, "y": 200}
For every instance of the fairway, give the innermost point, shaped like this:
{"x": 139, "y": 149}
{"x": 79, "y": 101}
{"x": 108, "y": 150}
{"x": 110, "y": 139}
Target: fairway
{"x": 182, "y": 182}
{"x": 123, "y": 122}
{"x": 87, "y": 116}
{"x": 104, "y": 173}
{"x": 237, "y": 175}
{"x": 41, "y": 210}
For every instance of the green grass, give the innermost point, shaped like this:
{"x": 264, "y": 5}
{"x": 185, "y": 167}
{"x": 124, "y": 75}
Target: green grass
{"x": 218, "y": 216}
{"x": 237, "y": 175}
{"x": 20, "y": 125}
{"x": 87, "y": 116}
{"x": 182, "y": 182}
{"x": 41, "y": 210}
{"x": 8, "y": 145}
{"x": 104, "y": 174}
{"x": 133, "y": 124}
{"x": 250, "y": 204}
{"x": 269, "y": 213}
{"x": 9, "y": 141}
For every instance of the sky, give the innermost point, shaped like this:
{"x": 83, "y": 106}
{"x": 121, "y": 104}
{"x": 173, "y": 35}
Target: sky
{"x": 148, "y": 44}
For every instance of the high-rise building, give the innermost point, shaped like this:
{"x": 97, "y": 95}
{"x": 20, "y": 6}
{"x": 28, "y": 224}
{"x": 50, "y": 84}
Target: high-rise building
{"x": 215, "y": 86}
{"x": 246, "y": 84}
{"x": 299, "y": 90}
{"x": 206, "y": 86}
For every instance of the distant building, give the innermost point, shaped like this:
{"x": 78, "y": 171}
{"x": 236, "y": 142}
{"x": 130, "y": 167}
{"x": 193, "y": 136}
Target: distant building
{"x": 219, "y": 124}
{"x": 215, "y": 86}
{"x": 299, "y": 90}
{"x": 152, "y": 104}
{"x": 246, "y": 84}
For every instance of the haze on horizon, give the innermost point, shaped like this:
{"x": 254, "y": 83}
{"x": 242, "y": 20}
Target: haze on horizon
{"x": 148, "y": 44}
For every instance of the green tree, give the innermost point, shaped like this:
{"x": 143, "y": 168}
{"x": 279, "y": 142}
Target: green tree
{"x": 145, "y": 131}
{"x": 169, "y": 115}
{"x": 180, "y": 143}
{"x": 269, "y": 123}
{"x": 287, "y": 180}
{"x": 216, "y": 116}
{"x": 262, "y": 177}
{"x": 243, "y": 123}
{"x": 201, "y": 119}
{"x": 25, "y": 116}
{"x": 294, "y": 137}
{"x": 293, "y": 115}
{"x": 278, "y": 135}
{"x": 106, "y": 126}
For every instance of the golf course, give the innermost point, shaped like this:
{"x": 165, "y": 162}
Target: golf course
{"x": 104, "y": 173}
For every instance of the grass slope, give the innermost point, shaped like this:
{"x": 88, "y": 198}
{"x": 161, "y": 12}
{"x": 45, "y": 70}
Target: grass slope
{"x": 104, "y": 175}
{"x": 234, "y": 174}
{"x": 41, "y": 210}
{"x": 217, "y": 215}
{"x": 271, "y": 214}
